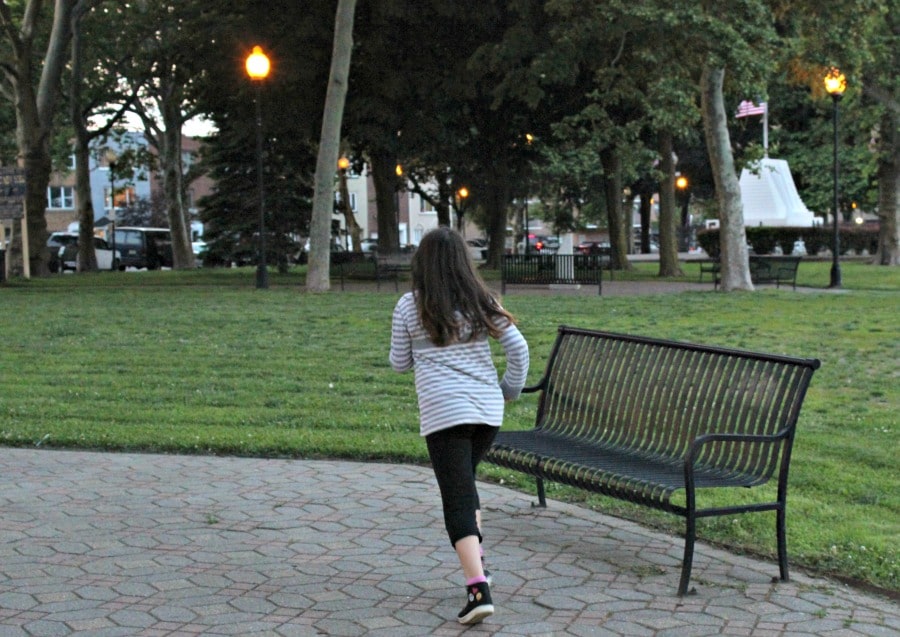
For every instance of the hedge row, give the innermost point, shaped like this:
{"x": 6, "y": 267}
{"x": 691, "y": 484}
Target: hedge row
{"x": 764, "y": 240}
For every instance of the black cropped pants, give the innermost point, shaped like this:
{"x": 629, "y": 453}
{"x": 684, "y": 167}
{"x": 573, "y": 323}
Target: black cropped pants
{"x": 455, "y": 454}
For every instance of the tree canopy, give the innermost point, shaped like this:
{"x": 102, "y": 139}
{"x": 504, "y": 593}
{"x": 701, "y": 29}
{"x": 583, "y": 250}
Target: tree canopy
{"x": 572, "y": 102}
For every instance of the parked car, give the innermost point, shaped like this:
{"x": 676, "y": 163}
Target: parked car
{"x": 654, "y": 247}
{"x": 368, "y": 245}
{"x": 68, "y": 255}
{"x": 149, "y": 248}
{"x": 540, "y": 244}
{"x": 593, "y": 247}
{"x": 478, "y": 248}
{"x": 55, "y": 242}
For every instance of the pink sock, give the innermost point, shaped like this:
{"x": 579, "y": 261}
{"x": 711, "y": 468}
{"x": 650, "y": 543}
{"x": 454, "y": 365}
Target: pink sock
{"x": 476, "y": 580}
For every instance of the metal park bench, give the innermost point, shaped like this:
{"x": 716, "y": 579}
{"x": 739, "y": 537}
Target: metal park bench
{"x": 365, "y": 265}
{"x": 391, "y": 266}
{"x": 774, "y": 269}
{"x": 640, "y": 419}
{"x": 553, "y": 269}
{"x": 763, "y": 269}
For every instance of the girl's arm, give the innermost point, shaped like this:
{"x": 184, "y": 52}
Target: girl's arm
{"x": 516, "y": 349}
{"x": 401, "y": 344}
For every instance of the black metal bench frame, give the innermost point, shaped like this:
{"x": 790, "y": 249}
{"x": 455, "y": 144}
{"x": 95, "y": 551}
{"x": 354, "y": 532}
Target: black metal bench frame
{"x": 553, "y": 269}
{"x": 775, "y": 269}
{"x": 391, "y": 266}
{"x": 763, "y": 269}
{"x": 364, "y": 265}
{"x": 640, "y": 419}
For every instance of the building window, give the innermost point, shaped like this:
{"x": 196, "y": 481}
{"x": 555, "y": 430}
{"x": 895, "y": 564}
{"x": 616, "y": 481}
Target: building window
{"x": 124, "y": 196}
{"x": 425, "y": 205}
{"x": 61, "y": 197}
{"x": 353, "y": 201}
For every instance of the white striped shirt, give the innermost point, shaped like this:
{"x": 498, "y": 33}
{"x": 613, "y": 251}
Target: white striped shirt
{"x": 456, "y": 384}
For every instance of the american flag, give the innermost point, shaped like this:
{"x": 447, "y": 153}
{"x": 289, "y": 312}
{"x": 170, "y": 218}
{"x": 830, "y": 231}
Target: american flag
{"x": 747, "y": 108}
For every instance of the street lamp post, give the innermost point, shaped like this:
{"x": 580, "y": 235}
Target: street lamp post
{"x": 684, "y": 242}
{"x": 835, "y": 84}
{"x": 258, "y": 70}
{"x": 461, "y": 195}
{"x": 111, "y": 159}
{"x": 343, "y": 165}
{"x": 529, "y": 140}
{"x": 398, "y": 170}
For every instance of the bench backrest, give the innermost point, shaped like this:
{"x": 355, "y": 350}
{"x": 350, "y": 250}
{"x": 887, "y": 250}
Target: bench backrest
{"x": 655, "y": 397}
{"x": 551, "y": 269}
{"x": 783, "y": 267}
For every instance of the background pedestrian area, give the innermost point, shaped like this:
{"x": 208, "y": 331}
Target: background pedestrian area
{"x": 147, "y": 545}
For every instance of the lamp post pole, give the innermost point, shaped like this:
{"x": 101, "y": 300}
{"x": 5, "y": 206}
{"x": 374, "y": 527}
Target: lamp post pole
{"x": 111, "y": 164}
{"x": 684, "y": 235}
{"x": 836, "y": 240}
{"x": 835, "y": 84}
{"x": 258, "y": 70}
{"x": 262, "y": 269}
{"x": 461, "y": 195}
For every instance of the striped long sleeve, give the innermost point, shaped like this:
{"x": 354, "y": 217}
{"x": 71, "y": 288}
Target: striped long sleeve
{"x": 456, "y": 384}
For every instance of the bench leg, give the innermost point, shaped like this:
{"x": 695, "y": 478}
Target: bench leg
{"x": 542, "y": 496}
{"x": 689, "y": 537}
{"x": 782, "y": 543}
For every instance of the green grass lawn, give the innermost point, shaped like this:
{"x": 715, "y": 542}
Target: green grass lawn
{"x": 202, "y": 362}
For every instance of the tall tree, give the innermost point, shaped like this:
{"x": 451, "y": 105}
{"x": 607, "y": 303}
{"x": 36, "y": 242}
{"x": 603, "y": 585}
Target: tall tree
{"x": 34, "y": 90}
{"x": 175, "y": 40}
{"x": 733, "y": 254}
{"x": 738, "y": 37}
{"x": 98, "y": 95}
{"x": 862, "y": 38}
{"x": 317, "y": 278}
{"x": 882, "y": 87}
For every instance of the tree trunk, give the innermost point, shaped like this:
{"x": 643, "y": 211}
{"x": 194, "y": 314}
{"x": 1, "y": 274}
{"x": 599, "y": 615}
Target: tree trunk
{"x": 384, "y": 178}
{"x": 733, "y": 255}
{"x": 497, "y": 191}
{"x": 318, "y": 275}
{"x": 87, "y": 257}
{"x": 173, "y": 185}
{"x": 889, "y": 190}
{"x": 353, "y": 228}
{"x": 668, "y": 238}
{"x": 618, "y": 229}
{"x": 445, "y": 196}
{"x": 34, "y": 108}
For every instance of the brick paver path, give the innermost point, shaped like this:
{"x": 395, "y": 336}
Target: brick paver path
{"x": 146, "y": 545}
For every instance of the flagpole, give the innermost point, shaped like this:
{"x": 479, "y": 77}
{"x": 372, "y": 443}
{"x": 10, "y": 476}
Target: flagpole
{"x": 766, "y": 130}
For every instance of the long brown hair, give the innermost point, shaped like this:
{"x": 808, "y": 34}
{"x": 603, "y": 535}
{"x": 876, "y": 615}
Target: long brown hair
{"x": 454, "y": 303}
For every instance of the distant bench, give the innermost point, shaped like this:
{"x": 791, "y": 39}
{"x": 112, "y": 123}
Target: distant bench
{"x": 640, "y": 419}
{"x": 391, "y": 266}
{"x": 365, "y": 265}
{"x": 763, "y": 269}
{"x": 553, "y": 269}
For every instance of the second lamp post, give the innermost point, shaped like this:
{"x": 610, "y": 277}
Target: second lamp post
{"x": 258, "y": 70}
{"x": 835, "y": 84}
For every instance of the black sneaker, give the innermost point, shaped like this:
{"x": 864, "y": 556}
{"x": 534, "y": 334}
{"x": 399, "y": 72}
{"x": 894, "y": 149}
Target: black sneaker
{"x": 479, "y": 604}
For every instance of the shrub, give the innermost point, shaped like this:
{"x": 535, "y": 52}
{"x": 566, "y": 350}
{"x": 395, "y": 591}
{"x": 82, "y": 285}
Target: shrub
{"x": 764, "y": 239}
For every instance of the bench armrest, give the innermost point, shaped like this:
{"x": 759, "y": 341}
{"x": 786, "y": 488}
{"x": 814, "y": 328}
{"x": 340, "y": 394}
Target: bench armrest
{"x": 699, "y": 442}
